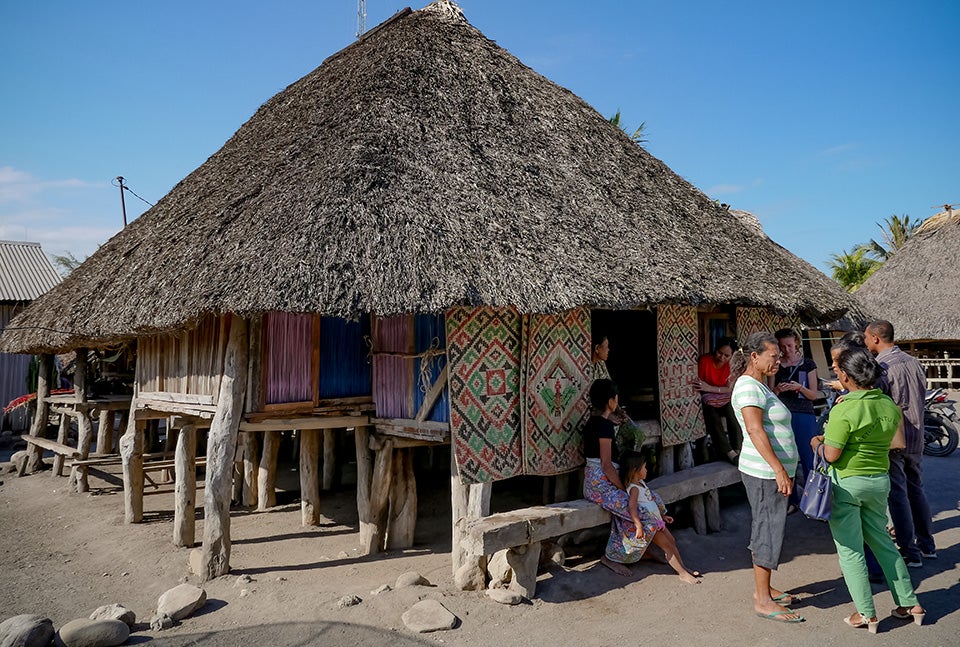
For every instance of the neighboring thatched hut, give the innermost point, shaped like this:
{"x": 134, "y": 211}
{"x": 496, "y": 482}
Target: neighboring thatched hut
{"x": 25, "y": 274}
{"x": 425, "y": 197}
{"x": 917, "y": 291}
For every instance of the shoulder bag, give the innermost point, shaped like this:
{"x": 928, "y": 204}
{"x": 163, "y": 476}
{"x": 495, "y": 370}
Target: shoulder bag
{"x": 815, "y": 502}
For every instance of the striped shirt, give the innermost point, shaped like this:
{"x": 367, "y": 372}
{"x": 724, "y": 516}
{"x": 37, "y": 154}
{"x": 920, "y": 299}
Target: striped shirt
{"x": 748, "y": 392}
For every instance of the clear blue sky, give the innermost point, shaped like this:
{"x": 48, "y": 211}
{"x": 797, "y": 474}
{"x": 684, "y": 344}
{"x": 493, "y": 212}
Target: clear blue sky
{"x": 822, "y": 118}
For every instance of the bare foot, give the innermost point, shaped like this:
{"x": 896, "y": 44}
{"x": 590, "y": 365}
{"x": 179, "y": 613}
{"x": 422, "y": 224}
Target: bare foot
{"x": 619, "y": 569}
{"x": 783, "y": 614}
{"x": 690, "y": 578}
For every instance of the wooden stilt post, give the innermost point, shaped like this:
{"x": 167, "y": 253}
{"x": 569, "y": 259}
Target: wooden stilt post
{"x": 361, "y": 436}
{"x": 221, "y": 448}
{"x": 185, "y": 487}
{"x": 712, "y": 504}
{"x": 105, "y": 432}
{"x": 121, "y": 428}
{"x": 685, "y": 460}
{"x": 666, "y": 460}
{"x": 62, "y": 433}
{"x": 329, "y": 457}
{"x": 38, "y": 427}
{"x": 309, "y": 481}
{"x": 467, "y": 502}
{"x": 403, "y": 500}
{"x": 131, "y": 452}
{"x": 267, "y": 476}
{"x": 251, "y": 464}
{"x": 378, "y": 511}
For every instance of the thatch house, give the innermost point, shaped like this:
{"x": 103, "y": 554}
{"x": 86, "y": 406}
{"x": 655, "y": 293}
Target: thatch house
{"x": 916, "y": 290}
{"x": 25, "y": 274}
{"x": 424, "y": 190}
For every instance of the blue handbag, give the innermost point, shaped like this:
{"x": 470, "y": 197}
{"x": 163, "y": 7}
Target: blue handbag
{"x": 815, "y": 502}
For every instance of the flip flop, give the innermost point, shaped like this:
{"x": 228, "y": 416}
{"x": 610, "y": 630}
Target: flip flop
{"x": 776, "y": 616}
{"x": 786, "y": 598}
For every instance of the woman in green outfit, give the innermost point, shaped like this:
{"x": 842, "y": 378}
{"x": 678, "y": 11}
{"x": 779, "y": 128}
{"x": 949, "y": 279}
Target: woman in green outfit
{"x": 857, "y": 443}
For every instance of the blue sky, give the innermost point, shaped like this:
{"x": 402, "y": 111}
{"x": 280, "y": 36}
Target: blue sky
{"x": 822, "y": 118}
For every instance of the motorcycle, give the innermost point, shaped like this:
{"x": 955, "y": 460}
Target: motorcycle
{"x": 939, "y": 424}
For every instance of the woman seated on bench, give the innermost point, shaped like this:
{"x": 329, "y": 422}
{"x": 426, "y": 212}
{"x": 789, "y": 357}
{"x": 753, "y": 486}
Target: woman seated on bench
{"x": 602, "y": 485}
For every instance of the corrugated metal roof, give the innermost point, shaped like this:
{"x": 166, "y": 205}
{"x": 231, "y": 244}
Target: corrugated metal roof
{"x": 25, "y": 271}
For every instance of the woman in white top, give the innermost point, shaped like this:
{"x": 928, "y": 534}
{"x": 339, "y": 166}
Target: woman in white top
{"x": 768, "y": 462}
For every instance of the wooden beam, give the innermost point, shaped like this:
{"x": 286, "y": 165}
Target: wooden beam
{"x": 62, "y": 434}
{"x": 431, "y": 396}
{"x": 267, "y": 472}
{"x": 131, "y": 450}
{"x": 307, "y": 422}
{"x": 221, "y": 448}
{"x": 177, "y": 398}
{"x": 309, "y": 482}
{"x": 185, "y": 488}
{"x": 38, "y": 427}
{"x": 364, "y": 478}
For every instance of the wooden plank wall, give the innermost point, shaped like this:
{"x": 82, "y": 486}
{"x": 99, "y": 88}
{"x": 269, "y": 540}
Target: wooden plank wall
{"x": 186, "y": 362}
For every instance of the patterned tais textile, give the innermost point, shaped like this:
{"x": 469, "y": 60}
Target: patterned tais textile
{"x": 751, "y": 320}
{"x": 492, "y": 352}
{"x": 681, "y": 416}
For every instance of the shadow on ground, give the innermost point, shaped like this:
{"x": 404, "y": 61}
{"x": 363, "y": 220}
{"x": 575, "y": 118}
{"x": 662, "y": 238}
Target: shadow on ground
{"x": 289, "y": 634}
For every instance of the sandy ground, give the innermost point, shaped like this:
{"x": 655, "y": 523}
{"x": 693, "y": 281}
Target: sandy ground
{"x": 64, "y": 554}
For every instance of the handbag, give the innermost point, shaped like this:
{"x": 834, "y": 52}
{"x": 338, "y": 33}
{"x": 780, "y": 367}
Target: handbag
{"x": 815, "y": 502}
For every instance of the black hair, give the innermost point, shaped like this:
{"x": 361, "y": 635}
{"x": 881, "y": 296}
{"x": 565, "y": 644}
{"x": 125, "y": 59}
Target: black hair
{"x": 726, "y": 341}
{"x": 600, "y": 393}
{"x": 630, "y": 461}
{"x": 755, "y": 343}
{"x": 852, "y": 339}
{"x": 882, "y": 329}
{"x": 597, "y": 338}
{"x": 860, "y": 366}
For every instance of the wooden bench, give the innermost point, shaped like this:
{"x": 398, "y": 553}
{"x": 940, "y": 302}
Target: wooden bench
{"x": 521, "y": 531}
{"x": 50, "y": 445}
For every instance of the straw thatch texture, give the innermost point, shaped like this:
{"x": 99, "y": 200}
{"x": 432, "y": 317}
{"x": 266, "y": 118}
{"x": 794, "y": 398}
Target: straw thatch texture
{"x": 918, "y": 289}
{"x": 419, "y": 168}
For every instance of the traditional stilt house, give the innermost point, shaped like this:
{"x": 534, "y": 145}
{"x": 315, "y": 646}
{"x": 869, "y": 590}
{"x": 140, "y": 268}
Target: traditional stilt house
{"x": 916, "y": 290}
{"x": 414, "y": 241}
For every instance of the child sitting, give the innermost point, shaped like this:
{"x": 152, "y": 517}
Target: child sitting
{"x": 647, "y": 505}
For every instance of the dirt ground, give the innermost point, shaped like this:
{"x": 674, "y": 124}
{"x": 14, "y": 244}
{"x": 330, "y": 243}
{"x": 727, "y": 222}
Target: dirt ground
{"x": 64, "y": 554}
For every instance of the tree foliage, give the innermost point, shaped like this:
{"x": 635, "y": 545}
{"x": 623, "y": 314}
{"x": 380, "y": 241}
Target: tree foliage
{"x": 66, "y": 263}
{"x": 851, "y": 269}
{"x": 895, "y": 231}
{"x": 639, "y": 136}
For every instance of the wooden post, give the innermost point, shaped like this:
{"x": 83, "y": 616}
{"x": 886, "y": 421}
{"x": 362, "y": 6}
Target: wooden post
{"x": 524, "y": 560}
{"x": 169, "y": 445}
{"x": 685, "y": 459}
{"x": 131, "y": 452}
{"x": 712, "y": 503}
{"x": 666, "y": 460}
{"x": 62, "y": 433}
{"x": 185, "y": 487}
{"x": 105, "y": 432}
{"x": 38, "y": 427}
{"x": 329, "y": 457}
{"x": 251, "y": 464}
{"x": 403, "y": 500}
{"x": 380, "y": 484}
{"x": 221, "y": 448}
{"x": 467, "y": 502}
{"x": 309, "y": 481}
{"x": 267, "y": 476}
{"x": 361, "y": 437}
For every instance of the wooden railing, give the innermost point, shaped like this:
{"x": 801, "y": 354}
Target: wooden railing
{"x": 942, "y": 372}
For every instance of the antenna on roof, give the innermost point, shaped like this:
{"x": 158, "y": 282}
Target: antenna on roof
{"x": 946, "y": 207}
{"x": 123, "y": 205}
{"x": 361, "y": 17}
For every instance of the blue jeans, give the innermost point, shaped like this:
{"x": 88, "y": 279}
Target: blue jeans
{"x": 804, "y": 429}
{"x": 909, "y": 509}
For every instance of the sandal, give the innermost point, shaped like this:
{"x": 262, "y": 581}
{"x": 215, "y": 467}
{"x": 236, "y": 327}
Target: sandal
{"x": 862, "y": 621}
{"x": 776, "y": 616}
{"x": 905, "y": 613}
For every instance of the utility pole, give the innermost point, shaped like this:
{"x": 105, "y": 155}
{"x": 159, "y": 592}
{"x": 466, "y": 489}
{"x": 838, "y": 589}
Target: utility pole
{"x": 123, "y": 205}
{"x": 361, "y": 17}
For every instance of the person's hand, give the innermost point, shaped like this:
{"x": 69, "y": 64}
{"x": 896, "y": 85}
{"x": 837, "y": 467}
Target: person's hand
{"x": 815, "y": 442}
{"x": 784, "y": 482}
{"x": 667, "y": 518}
{"x": 639, "y": 532}
{"x": 833, "y": 384}
{"x": 698, "y": 385}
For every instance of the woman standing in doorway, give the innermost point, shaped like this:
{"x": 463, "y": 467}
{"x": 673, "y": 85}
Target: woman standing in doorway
{"x": 796, "y": 385}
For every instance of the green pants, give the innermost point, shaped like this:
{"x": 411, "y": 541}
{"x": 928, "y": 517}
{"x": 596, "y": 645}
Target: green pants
{"x": 859, "y": 515}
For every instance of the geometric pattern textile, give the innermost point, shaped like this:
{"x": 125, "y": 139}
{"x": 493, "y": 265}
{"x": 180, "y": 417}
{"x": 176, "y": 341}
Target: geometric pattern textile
{"x": 681, "y": 415}
{"x": 483, "y": 367}
{"x": 751, "y": 320}
{"x": 557, "y": 367}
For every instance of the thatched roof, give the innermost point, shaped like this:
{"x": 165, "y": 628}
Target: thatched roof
{"x": 918, "y": 289}
{"x": 421, "y": 167}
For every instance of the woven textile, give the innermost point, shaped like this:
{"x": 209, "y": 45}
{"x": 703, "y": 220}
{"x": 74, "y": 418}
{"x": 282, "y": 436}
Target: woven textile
{"x": 557, "y": 366}
{"x": 751, "y": 320}
{"x": 483, "y": 355}
{"x": 681, "y": 416}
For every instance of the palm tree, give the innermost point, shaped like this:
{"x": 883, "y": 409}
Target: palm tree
{"x": 639, "y": 135}
{"x": 896, "y": 230}
{"x": 851, "y": 269}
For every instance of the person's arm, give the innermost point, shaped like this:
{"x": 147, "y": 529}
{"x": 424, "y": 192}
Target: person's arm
{"x": 635, "y": 512}
{"x": 834, "y": 438}
{"x": 606, "y": 462}
{"x": 753, "y": 421}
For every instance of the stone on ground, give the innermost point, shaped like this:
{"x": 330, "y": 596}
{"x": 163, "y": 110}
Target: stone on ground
{"x": 26, "y": 630}
{"x": 84, "y": 632}
{"x": 411, "y": 578}
{"x": 469, "y": 577}
{"x": 503, "y": 596}
{"x": 115, "y": 612}
{"x": 348, "y": 601}
{"x": 499, "y": 569}
{"x": 428, "y": 615}
{"x": 161, "y": 621}
{"x": 181, "y": 601}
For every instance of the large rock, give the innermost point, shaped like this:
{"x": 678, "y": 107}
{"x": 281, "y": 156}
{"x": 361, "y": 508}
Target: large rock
{"x": 499, "y": 569}
{"x": 84, "y": 632}
{"x": 26, "y": 630}
{"x": 504, "y": 597}
{"x": 428, "y": 615}
{"x": 115, "y": 612}
{"x": 469, "y": 577}
{"x": 181, "y": 601}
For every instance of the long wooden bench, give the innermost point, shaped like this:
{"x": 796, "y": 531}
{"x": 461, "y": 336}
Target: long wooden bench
{"x": 521, "y": 531}
{"x": 49, "y": 445}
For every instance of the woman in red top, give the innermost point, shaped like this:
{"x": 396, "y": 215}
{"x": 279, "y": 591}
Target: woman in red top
{"x": 713, "y": 372}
